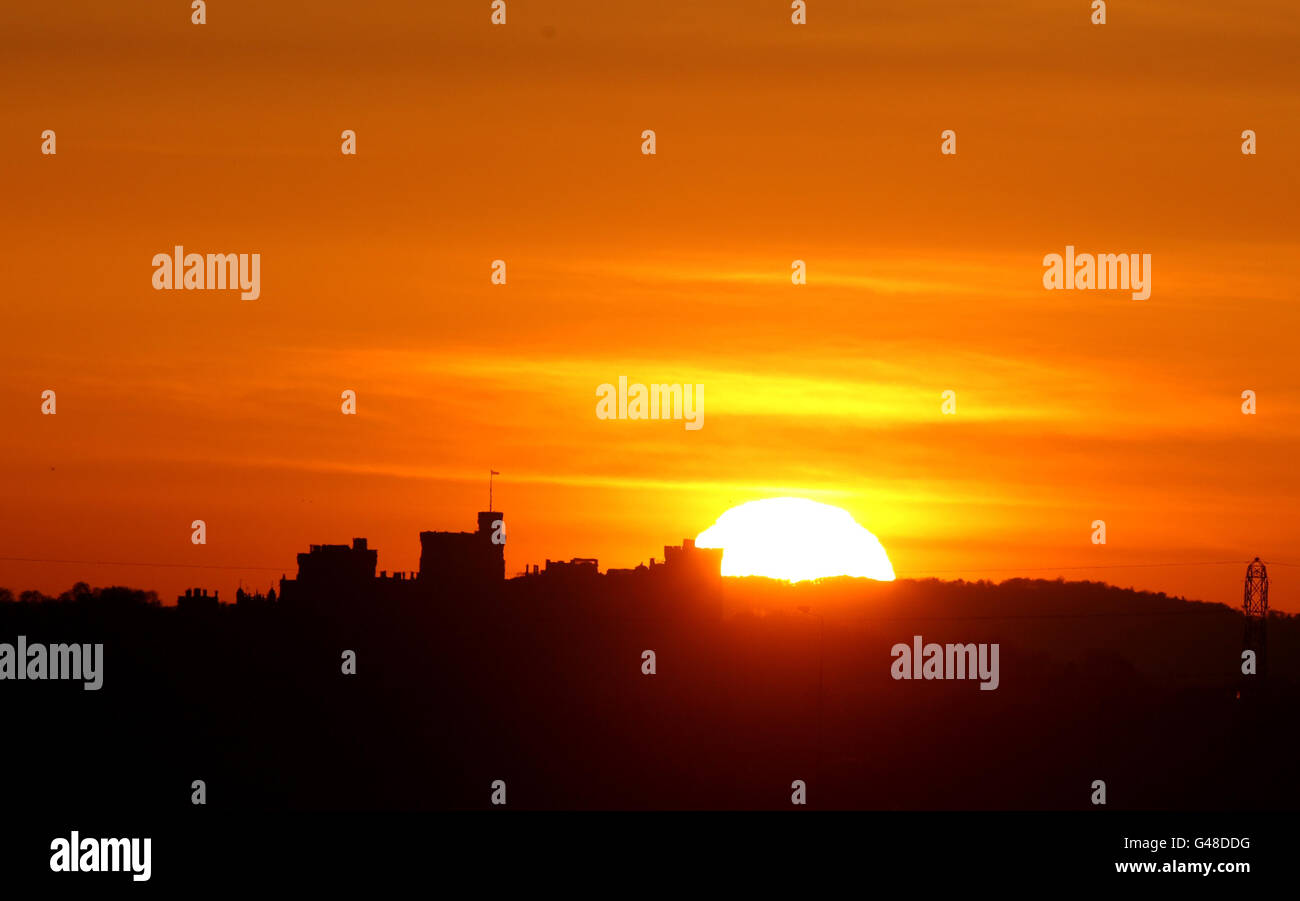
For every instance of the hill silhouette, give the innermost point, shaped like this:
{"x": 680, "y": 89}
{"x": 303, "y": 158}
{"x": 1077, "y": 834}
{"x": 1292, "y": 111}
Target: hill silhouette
{"x": 758, "y": 683}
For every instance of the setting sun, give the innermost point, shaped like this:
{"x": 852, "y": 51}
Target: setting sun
{"x": 796, "y": 539}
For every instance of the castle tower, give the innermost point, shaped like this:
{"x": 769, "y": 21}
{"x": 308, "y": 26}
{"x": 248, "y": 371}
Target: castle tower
{"x": 494, "y": 554}
{"x": 458, "y": 560}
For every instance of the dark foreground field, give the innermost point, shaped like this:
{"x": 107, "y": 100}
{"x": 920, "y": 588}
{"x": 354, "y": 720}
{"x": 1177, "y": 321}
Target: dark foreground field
{"x": 543, "y": 689}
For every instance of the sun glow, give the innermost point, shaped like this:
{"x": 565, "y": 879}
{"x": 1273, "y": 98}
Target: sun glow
{"x": 796, "y": 539}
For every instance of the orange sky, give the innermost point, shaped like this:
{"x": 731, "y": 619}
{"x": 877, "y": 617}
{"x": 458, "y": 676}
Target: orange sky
{"x": 775, "y": 143}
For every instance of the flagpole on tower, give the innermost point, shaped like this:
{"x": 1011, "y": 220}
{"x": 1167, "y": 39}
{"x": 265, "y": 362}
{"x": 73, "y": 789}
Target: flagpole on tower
{"x": 491, "y": 473}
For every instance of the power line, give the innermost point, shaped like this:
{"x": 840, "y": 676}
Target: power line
{"x": 909, "y": 574}
{"x": 1209, "y": 609}
{"x": 129, "y": 563}
{"x": 1001, "y": 569}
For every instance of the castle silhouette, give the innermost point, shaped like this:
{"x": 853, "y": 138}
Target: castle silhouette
{"x": 456, "y": 564}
